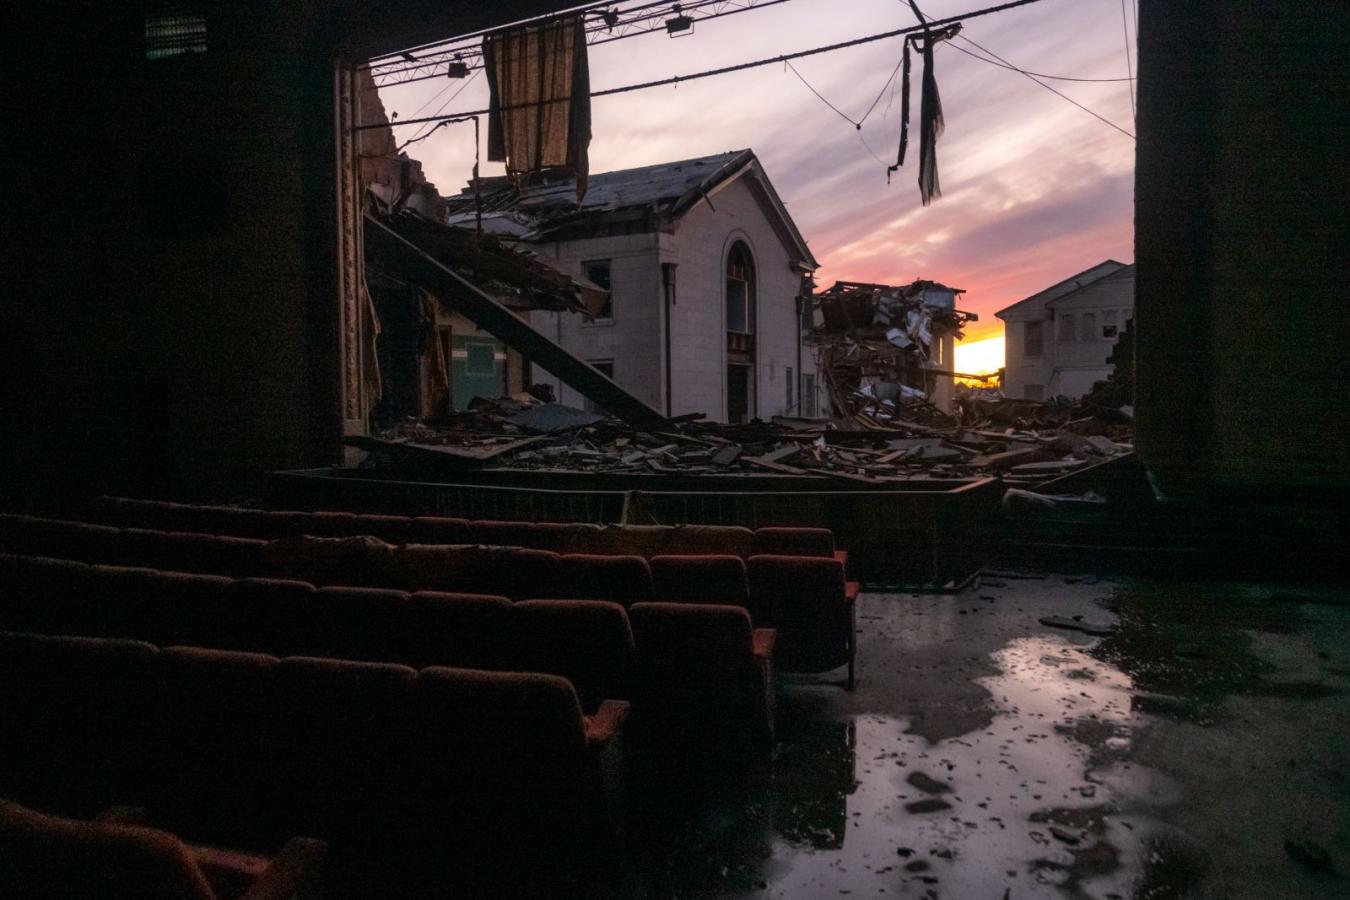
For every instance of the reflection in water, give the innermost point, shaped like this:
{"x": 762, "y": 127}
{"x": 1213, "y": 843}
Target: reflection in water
{"x": 813, "y": 777}
{"x": 1034, "y": 804}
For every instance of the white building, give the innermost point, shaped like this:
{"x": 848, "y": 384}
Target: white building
{"x": 1057, "y": 341}
{"x": 706, "y": 271}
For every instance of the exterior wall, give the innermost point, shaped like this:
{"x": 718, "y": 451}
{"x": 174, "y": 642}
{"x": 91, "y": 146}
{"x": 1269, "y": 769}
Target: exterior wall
{"x": 1080, "y": 362}
{"x": 1240, "y": 209}
{"x": 702, "y": 241}
{"x": 1022, "y": 370}
{"x": 632, "y": 337}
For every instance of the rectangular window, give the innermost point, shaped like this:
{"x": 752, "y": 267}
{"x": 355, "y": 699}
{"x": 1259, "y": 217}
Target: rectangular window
{"x": 604, "y": 367}
{"x": 809, "y": 395}
{"x": 1067, "y": 321}
{"x": 1110, "y": 324}
{"x": 597, "y": 272}
{"x": 738, "y": 293}
{"x": 174, "y": 32}
{"x": 1034, "y": 345}
{"x": 481, "y": 357}
{"x": 1033, "y": 392}
{"x": 790, "y": 389}
{"x": 1090, "y": 326}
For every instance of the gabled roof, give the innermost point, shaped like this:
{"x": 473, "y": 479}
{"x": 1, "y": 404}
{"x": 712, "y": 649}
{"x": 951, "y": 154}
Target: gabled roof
{"x": 1068, "y": 285}
{"x": 545, "y": 208}
{"x": 1120, "y": 274}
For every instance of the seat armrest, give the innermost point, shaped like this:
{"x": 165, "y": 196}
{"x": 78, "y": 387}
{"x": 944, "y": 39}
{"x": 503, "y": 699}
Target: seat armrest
{"x": 763, "y": 641}
{"x": 842, "y": 556}
{"x": 294, "y": 872}
{"x": 605, "y": 724}
{"x": 851, "y": 591}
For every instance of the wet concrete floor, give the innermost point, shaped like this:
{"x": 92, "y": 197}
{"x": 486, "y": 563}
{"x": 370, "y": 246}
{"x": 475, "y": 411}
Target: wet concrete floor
{"x": 1202, "y": 749}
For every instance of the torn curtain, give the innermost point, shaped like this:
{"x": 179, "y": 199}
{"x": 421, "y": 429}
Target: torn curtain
{"x": 539, "y": 107}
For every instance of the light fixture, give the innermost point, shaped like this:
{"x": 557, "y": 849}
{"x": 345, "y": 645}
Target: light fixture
{"x": 679, "y": 25}
{"x": 457, "y": 68}
{"x": 408, "y": 56}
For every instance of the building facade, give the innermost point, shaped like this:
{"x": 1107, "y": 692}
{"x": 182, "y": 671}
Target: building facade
{"x": 706, "y": 273}
{"x": 1058, "y": 340}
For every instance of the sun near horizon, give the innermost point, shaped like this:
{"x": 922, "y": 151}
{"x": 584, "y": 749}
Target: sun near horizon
{"x": 982, "y": 357}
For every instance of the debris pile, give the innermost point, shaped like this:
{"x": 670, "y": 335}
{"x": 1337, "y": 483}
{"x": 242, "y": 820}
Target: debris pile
{"x": 525, "y": 433}
{"x": 879, "y": 349}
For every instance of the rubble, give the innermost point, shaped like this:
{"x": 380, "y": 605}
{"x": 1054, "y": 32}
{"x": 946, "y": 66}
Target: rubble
{"x": 523, "y": 433}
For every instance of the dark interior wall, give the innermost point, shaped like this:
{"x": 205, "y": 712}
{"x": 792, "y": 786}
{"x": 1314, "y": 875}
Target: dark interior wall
{"x": 171, "y": 319}
{"x": 1243, "y": 374}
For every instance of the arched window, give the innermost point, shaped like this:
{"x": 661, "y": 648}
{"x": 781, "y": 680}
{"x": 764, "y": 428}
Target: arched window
{"x": 740, "y": 290}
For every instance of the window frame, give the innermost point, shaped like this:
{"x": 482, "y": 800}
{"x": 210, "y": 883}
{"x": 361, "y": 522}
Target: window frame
{"x": 607, "y": 314}
{"x": 740, "y": 257}
{"x": 1038, "y": 327}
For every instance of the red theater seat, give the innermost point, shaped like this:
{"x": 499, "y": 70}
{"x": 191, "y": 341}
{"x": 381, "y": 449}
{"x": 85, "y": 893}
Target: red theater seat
{"x": 215, "y": 757}
{"x": 46, "y": 856}
{"x": 511, "y": 572}
{"x": 340, "y": 745}
{"x": 623, "y": 579}
{"x": 588, "y": 642}
{"x": 441, "y": 530}
{"x": 75, "y": 717}
{"x": 463, "y": 630}
{"x": 508, "y": 767}
{"x": 700, "y": 579}
{"x": 780, "y": 541}
{"x": 361, "y": 561}
{"x": 810, "y": 604}
{"x": 705, "y": 676}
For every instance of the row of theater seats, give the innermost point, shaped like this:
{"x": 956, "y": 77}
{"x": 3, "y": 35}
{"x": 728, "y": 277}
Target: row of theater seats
{"x": 44, "y": 856}
{"x": 701, "y": 667}
{"x": 561, "y": 537}
{"x": 384, "y": 762}
{"x": 805, "y": 597}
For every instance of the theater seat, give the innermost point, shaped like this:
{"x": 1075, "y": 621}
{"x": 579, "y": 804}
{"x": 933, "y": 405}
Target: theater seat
{"x": 360, "y": 561}
{"x": 812, "y": 606}
{"x": 340, "y": 747}
{"x": 461, "y": 630}
{"x": 507, "y": 571}
{"x": 46, "y": 856}
{"x": 214, "y": 754}
{"x": 705, "y": 677}
{"x": 700, "y": 579}
{"x": 509, "y": 768}
{"x": 75, "y": 720}
{"x": 440, "y": 530}
{"x": 588, "y": 642}
{"x": 622, "y": 579}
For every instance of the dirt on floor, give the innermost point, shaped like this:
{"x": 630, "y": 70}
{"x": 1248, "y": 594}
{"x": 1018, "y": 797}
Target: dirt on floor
{"x": 1200, "y": 749}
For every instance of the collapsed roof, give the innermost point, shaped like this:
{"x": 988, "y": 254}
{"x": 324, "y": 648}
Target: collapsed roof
{"x": 543, "y": 206}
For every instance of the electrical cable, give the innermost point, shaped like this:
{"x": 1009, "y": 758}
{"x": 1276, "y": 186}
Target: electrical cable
{"x": 418, "y": 135}
{"x": 1037, "y": 74}
{"x": 1049, "y": 88}
{"x": 388, "y": 72}
{"x": 752, "y": 64}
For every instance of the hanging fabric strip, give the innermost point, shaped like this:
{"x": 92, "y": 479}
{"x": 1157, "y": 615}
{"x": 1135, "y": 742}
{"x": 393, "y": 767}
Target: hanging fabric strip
{"x": 539, "y": 98}
{"x": 904, "y": 111}
{"x": 930, "y": 128}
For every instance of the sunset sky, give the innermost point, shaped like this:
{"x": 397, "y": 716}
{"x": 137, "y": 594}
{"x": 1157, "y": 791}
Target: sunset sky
{"x": 1034, "y": 189}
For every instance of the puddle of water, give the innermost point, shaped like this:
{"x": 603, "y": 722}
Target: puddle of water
{"x": 1041, "y": 803}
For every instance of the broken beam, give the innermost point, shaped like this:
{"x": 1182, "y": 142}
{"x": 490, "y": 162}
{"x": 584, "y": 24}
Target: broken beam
{"x": 504, "y": 325}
